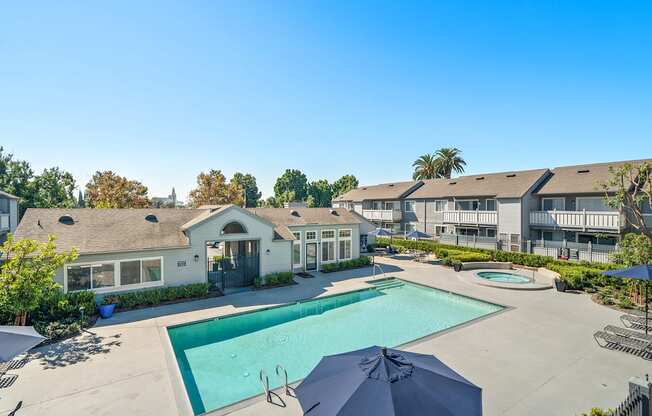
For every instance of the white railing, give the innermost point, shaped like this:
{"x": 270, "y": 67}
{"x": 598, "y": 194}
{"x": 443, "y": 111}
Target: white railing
{"x": 583, "y": 220}
{"x": 390, "y": 215}
{"x": 4, "y": 222}
{"x": 470, "y": 217}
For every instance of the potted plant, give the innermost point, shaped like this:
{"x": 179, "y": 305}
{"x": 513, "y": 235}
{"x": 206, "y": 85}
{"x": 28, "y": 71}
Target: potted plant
{"x": 560, "y": 285}
{"x": 457, "y": 266}
{"x": 107, "y": 307}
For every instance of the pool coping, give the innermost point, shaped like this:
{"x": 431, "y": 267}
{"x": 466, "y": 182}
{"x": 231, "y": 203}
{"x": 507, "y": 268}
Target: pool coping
{"x": 182, "y": 400}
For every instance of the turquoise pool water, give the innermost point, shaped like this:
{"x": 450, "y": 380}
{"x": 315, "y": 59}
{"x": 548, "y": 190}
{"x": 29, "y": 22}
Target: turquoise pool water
{"x": 220, "y": 360}
{"x": 503, "y": 277}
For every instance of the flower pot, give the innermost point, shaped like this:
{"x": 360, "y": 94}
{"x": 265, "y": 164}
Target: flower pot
{"x": 560, "y": 285}
{"x": 457, "y": 267}
{"x": 106, "y": 311}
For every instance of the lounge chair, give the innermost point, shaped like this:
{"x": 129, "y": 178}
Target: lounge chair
{"x": 635, "y": 321}
{"x": 618, "y": 342}
{"x": 623, "y": 332}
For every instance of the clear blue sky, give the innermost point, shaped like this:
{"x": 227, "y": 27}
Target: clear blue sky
{"x": 159, "y": 91}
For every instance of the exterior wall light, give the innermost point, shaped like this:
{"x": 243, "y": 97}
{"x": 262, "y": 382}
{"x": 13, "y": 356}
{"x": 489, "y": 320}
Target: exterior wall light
{"x": 267, "y": 252}
{"x": 196, "y": 257}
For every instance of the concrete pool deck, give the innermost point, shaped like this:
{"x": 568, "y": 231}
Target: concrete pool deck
{"x": 537, "y": 358}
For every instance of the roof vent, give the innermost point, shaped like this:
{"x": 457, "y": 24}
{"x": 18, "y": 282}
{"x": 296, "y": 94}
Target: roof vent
{"x": 479, "y": 178}
{"x": 511, "y": 175}
{"x": 390, "y": 185}
{"x": 66, "y": 219}
{"x": 294, "y": 212}
{"x": 452, "y": 183}
{"x": 583, "y": 171}
{"x": 151, "y": 218}
{"x": 364, "y": 189}
{"x": 333, "y": 212}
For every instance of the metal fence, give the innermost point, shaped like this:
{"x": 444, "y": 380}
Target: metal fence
{"x": 637, "y": 402}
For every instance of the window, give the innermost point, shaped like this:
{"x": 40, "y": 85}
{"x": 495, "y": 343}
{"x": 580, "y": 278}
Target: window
{"x": 133, "y": 272}
{"x": 592, "y": 204}
{"x": 311, "y": 235}
{"x": 345, "y": 233}
{"x": 439, "y": 230}
{"x": 296, "y": 249}
{"x": 646, "y": 208}
{"x": 467, "y": 205}
{"x": 327, "y": 251}
{"x": 409, "y": 227}
{"x": 389, "y": 206}
{"x": 546, "y": 235}
{"x": 87, "y": 277}
{"x": 233, "y": 228}
{"x": 345, "y": 249}
{"x": 491, "y": 232}
{"x": 491, "y": 204}
{"x": 549, "y": 204}
{"x": 409, "y": 206}
{"x": 440, "y": 206}
{"x": 328, "y": 234}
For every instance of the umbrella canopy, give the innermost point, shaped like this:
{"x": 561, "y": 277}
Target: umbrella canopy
{"x": 16, "y": 340}
{"x": 640, "y": 272}
{"x": 378, "y": 381}
{"x": 417, "y": 235}
{"x": 381, "y": 232}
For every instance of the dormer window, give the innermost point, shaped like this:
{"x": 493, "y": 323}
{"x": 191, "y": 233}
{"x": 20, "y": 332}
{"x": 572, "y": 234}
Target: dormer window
{"x": 151, "y": 218}
{"x": 66, "y": 219}
{"x": 234, "y": 227}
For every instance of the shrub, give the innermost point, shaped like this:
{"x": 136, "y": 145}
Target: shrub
{"x": 152, "y": 297}
{"x": 346, "y": 264}
{"x": 468, "y": 257}
{"x": 273, "y": 279}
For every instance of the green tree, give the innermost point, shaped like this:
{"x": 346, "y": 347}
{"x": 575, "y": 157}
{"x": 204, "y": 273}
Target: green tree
{"x": 53, "y": 189}
{"x": 320, "y": 193}
{"x": 248, "y": 183}
{"x": 109, "y": 190}
{"x": 425, "y": 167}
{"x": 27, "y": 275}
{"x": 344, "y": 185}
{"x": 268, "y": 203}
{"x": 15, "y": 178}
{"x": 634, "y": 249}
{"x": 213, "y": 189}
{"x": 630, "y": 188}
{"x": 448, "y": 161}
{"x": 291, "y": 186}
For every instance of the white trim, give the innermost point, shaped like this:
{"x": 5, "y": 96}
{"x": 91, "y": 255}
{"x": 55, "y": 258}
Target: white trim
{"x": 455, "y": 201}
{"x": 563, "y": 202}
{"x": 117, "y": 287}
{"x": 495, "y": 204}
{"x": 342, "y": 239}
{"x": 414, "y": 206}
{"x": 298, "y": 242}
{"x": 328, "y": 240}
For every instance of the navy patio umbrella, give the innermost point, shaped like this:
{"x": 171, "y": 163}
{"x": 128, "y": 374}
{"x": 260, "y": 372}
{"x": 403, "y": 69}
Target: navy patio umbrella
{"x": 382, "y": 382}
{"x": 415, "y": 235}
{"x": 381, "y": 232}
{"x": 16, "y": 340}
{"x": 640, "y": 272}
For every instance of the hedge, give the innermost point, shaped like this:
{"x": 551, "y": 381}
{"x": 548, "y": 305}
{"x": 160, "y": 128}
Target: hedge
{"x": 153, "y": 297}
{"x": 346, "y": 264}
{"x": 274, "y": 279}
{"x": 60, "y": 314}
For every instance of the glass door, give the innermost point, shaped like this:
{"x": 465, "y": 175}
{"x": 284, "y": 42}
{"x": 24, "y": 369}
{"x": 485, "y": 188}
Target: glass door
{"x": 311, "y": 256}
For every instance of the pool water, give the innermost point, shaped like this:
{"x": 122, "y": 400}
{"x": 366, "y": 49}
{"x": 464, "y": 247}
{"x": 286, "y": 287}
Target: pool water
{"x": 503, "y": 277}
{"x": 220, "y": 359}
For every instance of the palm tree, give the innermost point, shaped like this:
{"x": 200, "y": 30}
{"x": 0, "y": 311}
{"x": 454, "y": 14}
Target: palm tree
{"x": 447, "y": 161}
{"x": 425, "y": 167}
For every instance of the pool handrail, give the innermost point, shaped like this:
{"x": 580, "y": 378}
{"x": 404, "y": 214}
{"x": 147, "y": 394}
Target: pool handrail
{"x": 265, "y": 384}
{"x": 285, "y": 373}
{"x": 381, "y": 270}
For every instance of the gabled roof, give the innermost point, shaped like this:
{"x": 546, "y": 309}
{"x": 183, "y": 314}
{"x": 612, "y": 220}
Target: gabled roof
{"x": 306, "y": 216}
{"x": 581, "y": 179}
{"x": 7, "y": 195}
{"x": 108, "y": 230}
{"x": 393, "y": 190}
{"x": 513, "y": 184}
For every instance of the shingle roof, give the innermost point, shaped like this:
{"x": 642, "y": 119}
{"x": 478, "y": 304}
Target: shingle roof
{"x": 499, "y": 185}
{"x": 581, "y": 179}
{"x": 306, "y": 216}
{"x": 108, "y": 230}
{"x": 8, "y": 195}
{"x": 394, "y": 190}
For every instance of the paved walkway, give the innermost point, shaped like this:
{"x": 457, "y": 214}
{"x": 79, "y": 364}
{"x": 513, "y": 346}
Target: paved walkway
{"x": 538, "y": 358}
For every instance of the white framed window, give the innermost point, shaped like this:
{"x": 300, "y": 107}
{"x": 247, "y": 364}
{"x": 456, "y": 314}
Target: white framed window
{"x": 389, "y": 206}
{"x": 296, "y": 249}
{"x": 467, "y": 204}
{"x": 345, "y": 233}
{"x": 327, "y": 234}
{"x": 593, "y": 203}
{"x": 491, "y": 232}
{"x": 491, "y": 204}
{"x": 345, "y": 243}
{"x": 409, "y": 206}
{"x": 440, "y": 229}
{"x": 327, "y": 246}
{"x": 311, "y": 235}
{"x": 109, "y": 276}
{"x": 440, "y": 205}
{"x": 550, "y": 204}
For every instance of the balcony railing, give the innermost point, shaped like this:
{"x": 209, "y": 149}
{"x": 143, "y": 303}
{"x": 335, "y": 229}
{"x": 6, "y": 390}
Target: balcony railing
{"x": 389, "y": 215}
{"x": 4, "y": 222}
{"x": 470, "y": 217}
{"x": 583, "y": 220}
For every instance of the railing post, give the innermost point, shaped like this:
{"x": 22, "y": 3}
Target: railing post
{"x": 589, "y": 247}
{"x": 584, "y": 219}
{"x": 642, "y": 387}
{"x": 529, "y": 246}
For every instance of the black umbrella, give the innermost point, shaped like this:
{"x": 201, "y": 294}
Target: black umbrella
{"x": 641, "y": 272}
{"x": 379, "y": 381}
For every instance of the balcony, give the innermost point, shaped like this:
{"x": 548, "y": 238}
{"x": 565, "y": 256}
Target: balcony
{"x": 388, "y": 215}
{"x": 4, "y": 222}
{"x": 577, "y": 220}
{"x": 470, "y": 217}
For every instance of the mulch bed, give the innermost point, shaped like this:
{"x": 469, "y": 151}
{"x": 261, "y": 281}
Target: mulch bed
{"x": 274, "y": 286}
{"x": 305, "y": 275}
{"x": 350, "y": 268}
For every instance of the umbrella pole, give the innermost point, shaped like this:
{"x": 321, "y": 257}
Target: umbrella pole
{"x": 647, "y": 284}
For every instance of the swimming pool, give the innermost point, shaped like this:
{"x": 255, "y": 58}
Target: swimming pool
{"x": 220, "y": 359}
{"x": 503, "y": 277}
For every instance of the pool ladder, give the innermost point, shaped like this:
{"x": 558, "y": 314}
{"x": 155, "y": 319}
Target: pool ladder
{"x": 264, "y": 380}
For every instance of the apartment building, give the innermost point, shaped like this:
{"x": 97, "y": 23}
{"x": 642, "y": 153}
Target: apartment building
{"x": 8, "y": 214}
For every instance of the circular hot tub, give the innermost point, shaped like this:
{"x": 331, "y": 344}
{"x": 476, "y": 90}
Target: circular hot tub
{"x": 503, "y": 277}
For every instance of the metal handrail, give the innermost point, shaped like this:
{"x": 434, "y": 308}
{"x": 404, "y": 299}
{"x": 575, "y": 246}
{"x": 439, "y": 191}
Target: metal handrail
{"x": 265, "y": 384}
{"x": 381, "y": 270}
{"x": 281, "y": 368}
